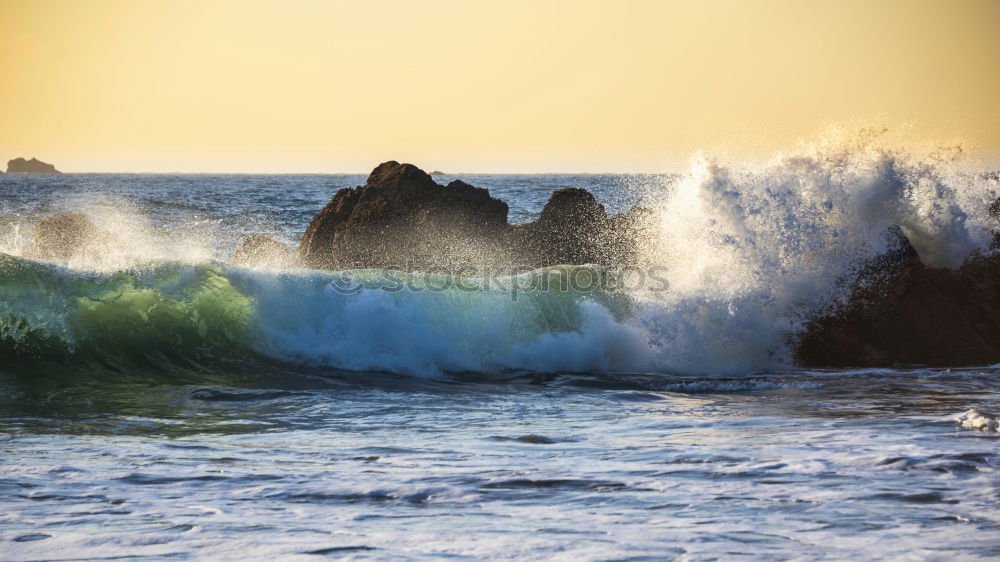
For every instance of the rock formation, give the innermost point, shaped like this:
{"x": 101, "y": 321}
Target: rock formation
{"x": 402, "y": 219}
{"x": 913, "y": 315}
{"x": 901, "y": 312}
{"x": 572, "y": 229}
{"x": 259, "y": 250}
{"x": 65, "y": 236}
{"x": 33, "y": 166}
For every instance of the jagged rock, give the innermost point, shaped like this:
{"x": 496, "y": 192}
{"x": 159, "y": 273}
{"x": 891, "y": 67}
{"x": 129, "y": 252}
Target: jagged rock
{"x": 402, "y": 219}
{"x": 65, "y": 236}
{"x": 904, "y": 313}
{"x": 258, "y": 250}
{"x": 33, "y": 166}
{"x": 570, "y": 230}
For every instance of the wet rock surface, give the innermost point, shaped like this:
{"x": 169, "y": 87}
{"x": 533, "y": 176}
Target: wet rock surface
{"x": 258, "y": 250}
{"x": 909, "y": 314}
{"x": 66, "y": 236}
{"x": 402, "y": 219}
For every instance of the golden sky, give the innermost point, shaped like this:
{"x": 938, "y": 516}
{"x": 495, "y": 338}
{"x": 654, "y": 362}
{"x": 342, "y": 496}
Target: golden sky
{"x": 468, "y": 85}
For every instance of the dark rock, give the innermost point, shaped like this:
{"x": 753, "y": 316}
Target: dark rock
{"x": 65, "y": 236}
{"x": 626, "y": 234}
{"x": 910, "y": 314}
{"x": 33, "y": 166}
{"x": 898, "y": 251}
{"x": 994, "y": 210}
{"x": 574, "y": 229}
{"x": 534, "y": 439}
{"x": 402, "y": 219}
{"x": 570, "y": 230}
{"x": 259, "y": 250}
{"x": 570, "y": 207}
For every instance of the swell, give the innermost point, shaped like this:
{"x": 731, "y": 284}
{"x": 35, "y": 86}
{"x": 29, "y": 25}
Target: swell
{"x": 171, "y": 313}
{"x": 366, "y": 320}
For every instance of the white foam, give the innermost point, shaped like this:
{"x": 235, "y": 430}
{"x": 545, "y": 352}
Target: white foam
{"x": 751, "y": 252}
{"x": 974, "y": 419}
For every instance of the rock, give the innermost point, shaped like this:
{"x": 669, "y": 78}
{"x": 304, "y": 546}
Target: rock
{"x": 258, "y": 250}
{"x": 898, "y": 252}
{"x": 438, "y": 173}
{"x": 571, "y": 207}
{"x": 401, "y": 219}
{"x": 994, "y": 210}
{"x": 33, "y": 166}
{"x": 627, "y": 232}
{"x": 570, "y": 230}
{"x": 65, "y": 236}
{"x": 910, "y": 314}
{"x": 574, "y": 229}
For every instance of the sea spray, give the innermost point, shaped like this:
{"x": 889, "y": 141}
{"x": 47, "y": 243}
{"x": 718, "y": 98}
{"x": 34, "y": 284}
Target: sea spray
{"x": 751, "y": 253}
{"x": 746, "y": 254}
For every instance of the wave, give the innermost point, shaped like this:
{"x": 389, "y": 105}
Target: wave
{"x": 425, "y": 328}
{"x": 746, "y": 253}
{"x": 751, "y": 253}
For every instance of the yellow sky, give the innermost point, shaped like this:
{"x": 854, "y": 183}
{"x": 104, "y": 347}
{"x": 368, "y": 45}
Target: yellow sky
{"x": 466, "y": 85}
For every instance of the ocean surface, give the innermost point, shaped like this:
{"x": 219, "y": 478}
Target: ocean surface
{"x": 158, "y": 402}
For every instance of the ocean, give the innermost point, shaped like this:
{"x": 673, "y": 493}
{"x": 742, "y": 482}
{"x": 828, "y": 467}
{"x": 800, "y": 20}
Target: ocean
{"x": 158, "y": 402}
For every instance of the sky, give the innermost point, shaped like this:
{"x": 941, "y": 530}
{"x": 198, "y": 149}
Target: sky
{"x": 482, "y": 86}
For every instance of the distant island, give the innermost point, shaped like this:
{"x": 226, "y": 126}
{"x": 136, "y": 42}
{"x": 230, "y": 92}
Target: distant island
{"x": 33, "y": 166}
{"x": 437, "y": 173}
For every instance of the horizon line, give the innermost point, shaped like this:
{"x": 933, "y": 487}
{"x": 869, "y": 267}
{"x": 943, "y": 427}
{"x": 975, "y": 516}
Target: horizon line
{"x": 488, "y": 173}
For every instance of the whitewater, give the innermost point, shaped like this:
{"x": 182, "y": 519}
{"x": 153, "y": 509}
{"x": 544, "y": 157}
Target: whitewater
{"x": 158, "y": 400}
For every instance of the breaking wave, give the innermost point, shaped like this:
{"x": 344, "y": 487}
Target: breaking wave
{"x": 748, "y": 252}
{"x": 209, "y": 312}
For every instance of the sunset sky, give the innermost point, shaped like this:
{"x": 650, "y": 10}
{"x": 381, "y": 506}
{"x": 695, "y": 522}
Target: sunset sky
{"x": 520, "y": 86}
